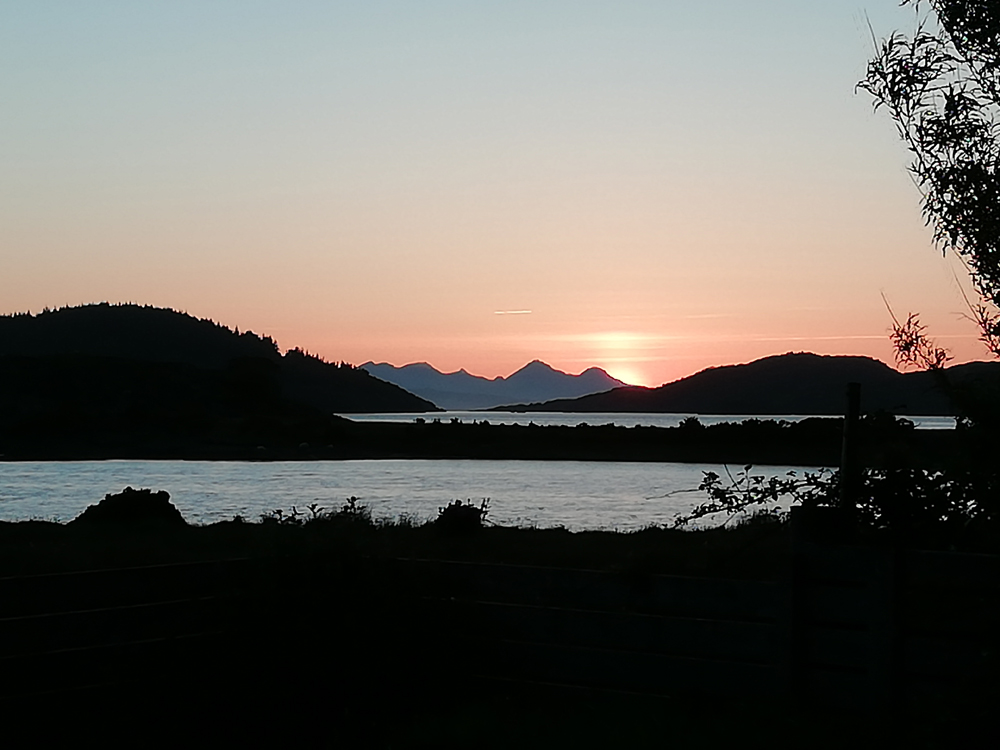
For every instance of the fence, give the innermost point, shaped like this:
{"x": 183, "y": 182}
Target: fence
{"x": 92, "y": 629}
{"x": 848, "y": 626}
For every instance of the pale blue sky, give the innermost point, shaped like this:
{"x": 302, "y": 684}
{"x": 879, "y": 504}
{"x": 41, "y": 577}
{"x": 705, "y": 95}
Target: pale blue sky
{"x": 666, "y": 185}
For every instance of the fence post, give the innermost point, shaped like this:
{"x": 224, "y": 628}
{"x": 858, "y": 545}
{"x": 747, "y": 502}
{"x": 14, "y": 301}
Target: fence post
{"x": 813, "y": 528}
{"x": 794, "y": 666}
{"x": 850, "y": 467}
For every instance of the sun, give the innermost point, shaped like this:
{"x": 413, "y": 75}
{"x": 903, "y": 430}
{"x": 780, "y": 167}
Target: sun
{"x": 626, "y": 374}
{"x": 618, "y": 351}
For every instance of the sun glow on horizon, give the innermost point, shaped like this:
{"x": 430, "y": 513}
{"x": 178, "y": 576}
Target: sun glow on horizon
{"x": 626, "y": 374}
{"x": 619, "y": 352}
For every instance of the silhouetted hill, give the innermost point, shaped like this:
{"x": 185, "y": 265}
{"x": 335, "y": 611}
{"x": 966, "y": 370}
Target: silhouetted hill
{"x": 794, "y": 383}
{"x": 168, "y": 352}
{"x": 150, "y": 334}
{"x": 535, "y": 381}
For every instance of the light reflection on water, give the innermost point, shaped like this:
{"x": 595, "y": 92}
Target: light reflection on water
{"x": 576, "y": 494}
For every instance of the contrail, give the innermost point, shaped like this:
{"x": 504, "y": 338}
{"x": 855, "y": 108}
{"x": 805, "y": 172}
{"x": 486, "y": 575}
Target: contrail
{"x": 512, "y": 312}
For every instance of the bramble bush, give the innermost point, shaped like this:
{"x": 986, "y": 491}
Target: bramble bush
{"x": 745, "y": 493}
{"x": 352, "y": 511}
{"x": 941, "y": 505}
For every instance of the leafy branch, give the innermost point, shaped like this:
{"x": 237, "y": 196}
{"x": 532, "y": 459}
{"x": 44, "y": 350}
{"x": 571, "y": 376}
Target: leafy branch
{"x": 745, "y": 492}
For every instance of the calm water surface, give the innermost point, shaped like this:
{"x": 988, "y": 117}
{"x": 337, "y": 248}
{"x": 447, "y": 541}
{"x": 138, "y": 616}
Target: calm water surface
{"x": 575, "y": 494}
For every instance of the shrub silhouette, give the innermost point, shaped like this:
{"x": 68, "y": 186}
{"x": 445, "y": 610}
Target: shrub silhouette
{"x": 459, "y": 517}
{"x": 354, "y": 512}
{"x": 131, "y": 506}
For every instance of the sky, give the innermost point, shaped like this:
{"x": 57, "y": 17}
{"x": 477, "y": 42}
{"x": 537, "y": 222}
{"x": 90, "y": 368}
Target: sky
{"x": 649, "y": 186}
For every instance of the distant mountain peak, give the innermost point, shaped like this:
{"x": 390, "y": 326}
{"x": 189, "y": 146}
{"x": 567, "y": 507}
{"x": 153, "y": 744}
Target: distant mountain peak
{"x": 535, "y": 366}
{"x": 536, "y": 381}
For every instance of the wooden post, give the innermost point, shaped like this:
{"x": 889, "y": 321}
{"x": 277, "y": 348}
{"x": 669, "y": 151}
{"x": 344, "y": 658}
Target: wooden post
{"x": 813, "y": 530}
{"x": 794, "y": 619}
{"x": 850, "y": 467}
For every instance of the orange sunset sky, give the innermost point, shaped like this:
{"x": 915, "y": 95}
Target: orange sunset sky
{"x": 649, "y": 187}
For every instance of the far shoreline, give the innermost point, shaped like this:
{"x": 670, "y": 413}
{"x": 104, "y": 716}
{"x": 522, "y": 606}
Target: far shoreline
{"x": 812, "y": 441}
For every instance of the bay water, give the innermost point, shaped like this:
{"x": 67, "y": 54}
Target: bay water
{"x": 577, "y": 495}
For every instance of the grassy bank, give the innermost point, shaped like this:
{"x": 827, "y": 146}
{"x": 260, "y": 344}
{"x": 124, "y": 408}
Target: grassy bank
{"x": 746, "y": 551}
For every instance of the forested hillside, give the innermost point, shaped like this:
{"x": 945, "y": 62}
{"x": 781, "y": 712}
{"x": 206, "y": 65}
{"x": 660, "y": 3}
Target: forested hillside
{"x": 118, "y": 375}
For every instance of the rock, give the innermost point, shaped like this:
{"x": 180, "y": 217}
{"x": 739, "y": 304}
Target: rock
{"x": 133, "y": 507}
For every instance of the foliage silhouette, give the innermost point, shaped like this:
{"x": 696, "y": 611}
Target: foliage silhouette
{"x": 354, "y": 512}
{"x": 462, "y": 518}
{"x": 132, "y": 507}
{"x": 130, "y": 331}
{"x": 941, "y": 87}
{"x": 746, "y": 493}
{"x": 912, "y": 506}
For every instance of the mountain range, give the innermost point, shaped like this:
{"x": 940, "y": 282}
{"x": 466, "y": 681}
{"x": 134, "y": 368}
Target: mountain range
{"x": 535, "y": 382}
{"x": 793, "y": 383}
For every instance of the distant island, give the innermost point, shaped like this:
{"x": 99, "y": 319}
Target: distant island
{"x": 460, "y": 391}
{"x": 793, "y": 383}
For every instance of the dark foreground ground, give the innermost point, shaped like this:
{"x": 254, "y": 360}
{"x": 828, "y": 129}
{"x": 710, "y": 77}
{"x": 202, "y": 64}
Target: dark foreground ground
{"x": 360, "y": 662}
{"x": 300, "y": 714}
{"x": 42, "y": 547}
